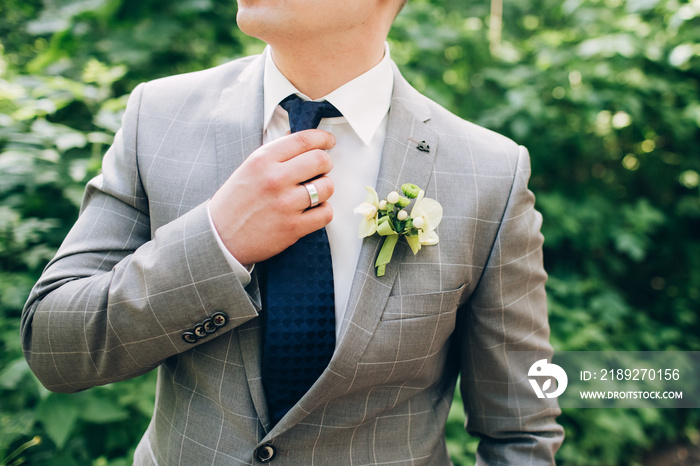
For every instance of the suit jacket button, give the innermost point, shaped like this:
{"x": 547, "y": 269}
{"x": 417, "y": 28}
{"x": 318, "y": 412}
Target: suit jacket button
{"x": 189, "y": 337}
{"x": 219, "y": 319}
{"x": 199, "y": 331}
{"x": 265, "y": 453}
{"x": 209, "y": 326}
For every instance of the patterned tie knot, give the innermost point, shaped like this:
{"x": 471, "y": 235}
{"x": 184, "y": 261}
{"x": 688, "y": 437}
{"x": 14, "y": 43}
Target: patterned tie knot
{"x": 305, "y": 114}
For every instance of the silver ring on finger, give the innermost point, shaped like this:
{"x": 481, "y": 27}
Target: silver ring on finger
{"x": 313, "y": 194}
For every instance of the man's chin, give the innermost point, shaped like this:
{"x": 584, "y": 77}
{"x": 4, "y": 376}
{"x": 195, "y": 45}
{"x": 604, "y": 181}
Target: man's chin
{"x": 254, "y": 21}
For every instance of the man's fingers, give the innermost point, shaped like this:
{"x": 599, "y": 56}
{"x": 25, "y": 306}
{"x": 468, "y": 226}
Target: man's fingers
{"x": 314, "y": 219}
{"x": 263, "y": 206}
{"x": 308, "y": 166}
{"x": 297, "y": 199}
{"x": 288, "y": 147}
{"x": 324, "y": 190}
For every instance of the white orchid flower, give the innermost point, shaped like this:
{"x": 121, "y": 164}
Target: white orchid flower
{"x": 368, "y": 209}
{"x": 426, "y": 215}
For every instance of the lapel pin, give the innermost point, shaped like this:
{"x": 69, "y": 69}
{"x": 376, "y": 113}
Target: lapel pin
{"x": 422, "y": 146}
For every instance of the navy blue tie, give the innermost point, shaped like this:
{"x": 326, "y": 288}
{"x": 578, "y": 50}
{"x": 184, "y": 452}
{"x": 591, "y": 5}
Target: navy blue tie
{"x": 300, "y": 307}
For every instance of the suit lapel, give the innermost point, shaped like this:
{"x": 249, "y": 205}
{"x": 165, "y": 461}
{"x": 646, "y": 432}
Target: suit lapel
{"x": 239, "y": 127}
{"x": 402, "y": 162}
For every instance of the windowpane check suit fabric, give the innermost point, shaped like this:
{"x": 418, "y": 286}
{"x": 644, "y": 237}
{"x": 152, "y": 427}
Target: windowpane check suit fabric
{"x": 300, "y": 307}
{"x": 142, "y": 264}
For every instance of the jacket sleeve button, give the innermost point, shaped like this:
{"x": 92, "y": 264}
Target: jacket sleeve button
{"x": 265, "y": 453}
{"x": 189, "y": 337}
{"x": 209, "y": 326}
{"x": 199, "y": 331}
{"x": 220, "y": 319}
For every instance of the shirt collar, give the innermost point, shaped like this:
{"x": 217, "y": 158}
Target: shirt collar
{"x": 364, "y": 101}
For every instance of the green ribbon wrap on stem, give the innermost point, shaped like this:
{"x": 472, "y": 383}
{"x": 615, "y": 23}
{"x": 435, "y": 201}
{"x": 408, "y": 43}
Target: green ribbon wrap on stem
{"x": 385, "y": 253}
{"x": 385, "y": 229}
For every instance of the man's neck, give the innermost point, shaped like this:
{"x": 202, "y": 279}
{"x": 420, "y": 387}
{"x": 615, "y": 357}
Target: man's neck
{"x": 318, "y": 71}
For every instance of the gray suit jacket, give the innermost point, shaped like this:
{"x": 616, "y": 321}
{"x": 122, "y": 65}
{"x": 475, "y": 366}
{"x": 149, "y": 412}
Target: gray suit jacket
{"x": 142, "y": 265}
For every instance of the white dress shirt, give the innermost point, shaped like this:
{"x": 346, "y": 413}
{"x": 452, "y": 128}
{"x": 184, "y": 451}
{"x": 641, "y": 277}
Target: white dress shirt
{"x": 359, "y": 133}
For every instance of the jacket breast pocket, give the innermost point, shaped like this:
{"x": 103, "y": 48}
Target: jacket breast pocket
{"x": 410, "y": 341}
{"x": 416, "y": 306}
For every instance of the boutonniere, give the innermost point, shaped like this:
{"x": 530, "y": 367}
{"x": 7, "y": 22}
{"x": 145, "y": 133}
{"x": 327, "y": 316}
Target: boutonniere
{"x": 390, "y": 218}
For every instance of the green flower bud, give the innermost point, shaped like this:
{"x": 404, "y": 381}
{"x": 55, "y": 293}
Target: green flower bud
{"x": 410, "y": 190}
{"x": 403, "y": 202}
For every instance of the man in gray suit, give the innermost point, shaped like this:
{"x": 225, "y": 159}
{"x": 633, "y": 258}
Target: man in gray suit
{"x": 203, "y": 183}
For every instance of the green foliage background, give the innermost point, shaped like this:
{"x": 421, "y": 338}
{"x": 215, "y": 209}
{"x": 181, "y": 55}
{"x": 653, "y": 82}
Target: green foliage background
{"x": 604, "y": 93}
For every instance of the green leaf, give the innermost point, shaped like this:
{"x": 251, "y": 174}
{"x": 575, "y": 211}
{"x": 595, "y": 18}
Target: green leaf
{"x": 98, "y": 409}
{"x": 11, "y": 375}
{"x": 58, "y": 414}
{"x": 414, "y": 243}
{"x": 630, "y": 244}
{"x": 15, "y": 425}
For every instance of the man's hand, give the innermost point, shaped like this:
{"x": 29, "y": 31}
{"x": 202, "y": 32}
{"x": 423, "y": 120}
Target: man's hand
{"x": 263, "y": 208}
